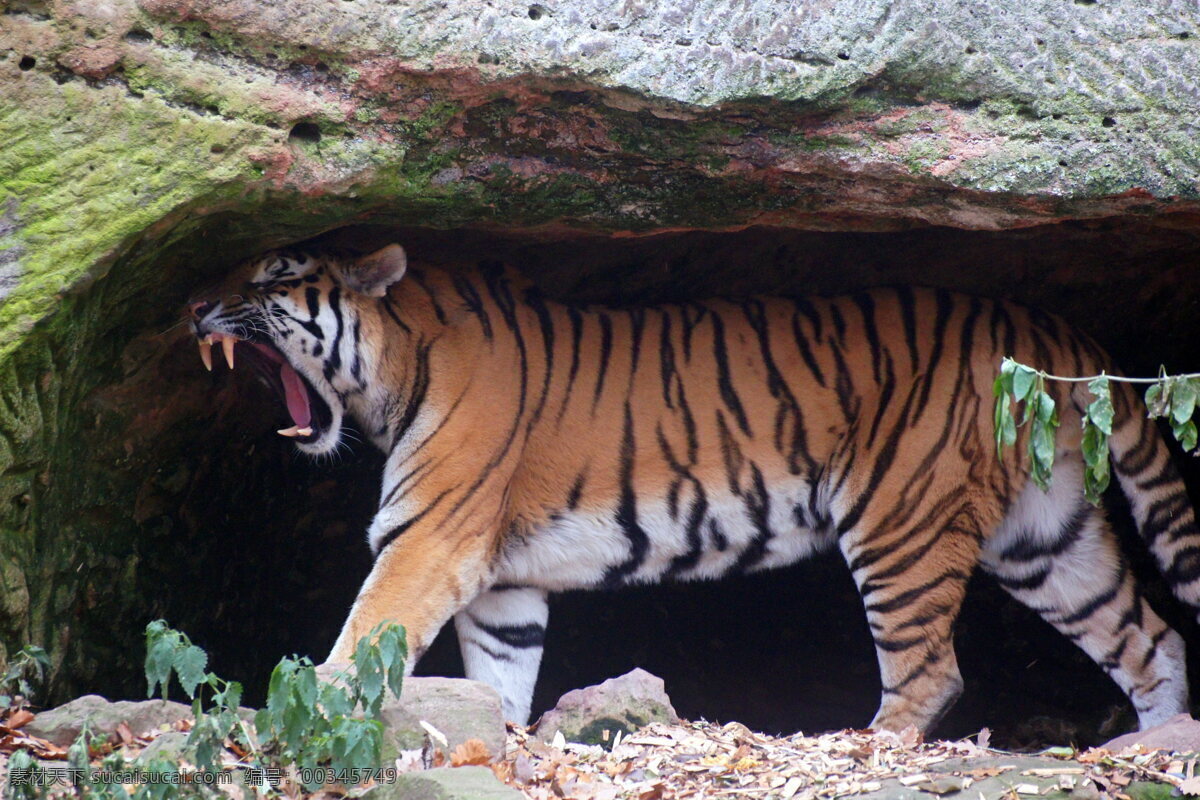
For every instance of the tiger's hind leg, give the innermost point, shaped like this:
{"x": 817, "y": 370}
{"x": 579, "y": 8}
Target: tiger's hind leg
{"x": 500, "y": 635}
{"x": 911, "y": 562}
{"x": 1059, "y": 556}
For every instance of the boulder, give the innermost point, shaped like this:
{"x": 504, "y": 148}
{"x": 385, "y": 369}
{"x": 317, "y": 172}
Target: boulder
{"x": 594, "y": 715}
{"x": 460, "y": 709}
{"x": 445, "y": 783}
{"x": 62, "y": 725}
{"x": 168, "y": 745}
{"x": 1179, "y": 734}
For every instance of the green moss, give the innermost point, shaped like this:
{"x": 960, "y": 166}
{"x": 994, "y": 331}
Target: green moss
{"x": 88, "y": 176}
{"x": 924, "y": 153}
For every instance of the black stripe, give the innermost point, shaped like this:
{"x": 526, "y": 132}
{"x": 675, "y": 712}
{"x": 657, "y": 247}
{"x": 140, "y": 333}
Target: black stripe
{"x": 418, "y": 277}
{"x": 399, "y": 530}
{"x": 533, "y": 298}
{"x": 576, "y": 318}
{"x": 520, "y": 637}
{"x": 639, "y": 542}
{"x": 334, "y": 362}
{"x": 724, "y": 383}
{"x": 576, "y": 492}
{"x": 416, "y": 394}
{"x": 883, "y": 462}
{"x": 945, "y": 307}
{"x": 470, "y": 296}
{"x": 866, "y": 306}
{"x": 804, "y": 309}
{"x": 606, "y": 337}
{"x": 1028, "y": 549}
{"x": 390, "y": 308}
{"x": 758, "y": 509}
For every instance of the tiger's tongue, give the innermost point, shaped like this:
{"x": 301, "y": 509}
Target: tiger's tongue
{"x": 296, "y": 395}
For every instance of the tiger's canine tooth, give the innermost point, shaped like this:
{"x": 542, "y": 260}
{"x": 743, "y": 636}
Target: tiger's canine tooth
{"x": 294, "y": 431}
{"x": 227, "y": 344}
{"x": 206, "y": 354}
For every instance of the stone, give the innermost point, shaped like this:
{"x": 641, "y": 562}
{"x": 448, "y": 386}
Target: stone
{"x": 168, "y": 745}
{"x": 1179, "y": 734}
{"x": 593, "y": 715}
{"x": 460, "y": 709}
{"x": 62, "y": 725}
{"x": 445, "y": 783}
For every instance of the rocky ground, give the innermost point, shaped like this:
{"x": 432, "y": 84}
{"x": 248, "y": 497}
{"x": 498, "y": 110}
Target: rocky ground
{"x": 621, "y": 741}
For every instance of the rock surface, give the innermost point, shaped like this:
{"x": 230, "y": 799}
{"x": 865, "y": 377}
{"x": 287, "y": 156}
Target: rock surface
{"x": 1179, "y": 734}
{"x": 595, "y": 714}
{"x": 460, "y": 709}
{"x": 445, "y": 783}
{"x": 62, "y": 725}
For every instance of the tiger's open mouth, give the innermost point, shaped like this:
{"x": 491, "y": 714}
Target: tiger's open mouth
{"x": 309, "y": 412}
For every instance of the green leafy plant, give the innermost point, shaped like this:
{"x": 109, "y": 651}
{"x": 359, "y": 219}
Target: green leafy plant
{"x": 1171, "y": 396}
{"x": 26, "y": 671}
{"x": 308, "y": 724}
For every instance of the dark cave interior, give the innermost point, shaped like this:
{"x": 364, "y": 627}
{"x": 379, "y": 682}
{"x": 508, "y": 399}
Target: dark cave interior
{"x": 257, "y": 552}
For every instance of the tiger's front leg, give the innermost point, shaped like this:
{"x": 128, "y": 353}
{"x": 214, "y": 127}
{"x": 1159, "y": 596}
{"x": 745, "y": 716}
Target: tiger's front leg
{"x": 425, "y": 572}
{"x": 500, "y": 635}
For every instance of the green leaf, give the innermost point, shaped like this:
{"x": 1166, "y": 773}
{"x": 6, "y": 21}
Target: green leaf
{"x": 1024, "y": 379}
{"x": 1044, "y": 410}
{"x": 305, "y": 682}
{"x": 1004, "y": 381}
{"x": 335, "y": 701}
{"x": 190, "y": 663}
{"x": 1156, "y": 400}
{"x": 1183, "y": 401}
{"x": 1100, "y": 410}
{"x": 1096, "y": 474}
{"x": 393, "y": 650}
{"x": 1041, "y": 439}
{"x": 1186, "y": 434}
{"x": 356, "y": 743}
{"x": 280, "y": 687}
{"x": 368, "y": 668}
{"x": 160, "y": 653}
{"x": 1006, "y": 424}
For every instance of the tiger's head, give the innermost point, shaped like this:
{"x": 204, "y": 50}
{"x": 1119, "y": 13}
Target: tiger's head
{"x": 300, "y": 320}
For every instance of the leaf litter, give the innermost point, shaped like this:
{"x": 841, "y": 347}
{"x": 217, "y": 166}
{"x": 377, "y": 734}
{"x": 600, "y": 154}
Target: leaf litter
{"x": 702, "y": 760}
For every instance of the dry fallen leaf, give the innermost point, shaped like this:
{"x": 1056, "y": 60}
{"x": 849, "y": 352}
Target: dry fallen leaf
{"x": 18, "y": 718}
{"x": 472, "y": 752}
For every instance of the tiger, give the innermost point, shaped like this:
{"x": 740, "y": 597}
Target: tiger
{"x": 535, "y": 446}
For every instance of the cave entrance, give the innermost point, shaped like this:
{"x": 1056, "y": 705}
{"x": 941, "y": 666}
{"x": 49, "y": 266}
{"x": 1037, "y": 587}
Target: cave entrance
{"x": 184, "y": 504}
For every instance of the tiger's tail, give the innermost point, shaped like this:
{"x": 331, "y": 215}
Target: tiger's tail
{"x": 1156, "y": 493}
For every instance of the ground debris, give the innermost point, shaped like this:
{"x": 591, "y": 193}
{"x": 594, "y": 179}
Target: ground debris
{"x": 702, "y": 760}
{"x": 698, "y": 760}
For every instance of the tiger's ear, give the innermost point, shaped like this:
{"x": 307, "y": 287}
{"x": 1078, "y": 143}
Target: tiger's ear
{"x": 374, "y": 273}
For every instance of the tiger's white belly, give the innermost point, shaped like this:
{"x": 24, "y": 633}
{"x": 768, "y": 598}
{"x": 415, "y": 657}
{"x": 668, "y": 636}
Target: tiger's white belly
{"x": 578, "y": 550}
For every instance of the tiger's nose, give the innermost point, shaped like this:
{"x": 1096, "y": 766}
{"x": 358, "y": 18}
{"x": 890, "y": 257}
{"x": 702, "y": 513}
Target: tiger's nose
{"x": 200, "y": 308}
